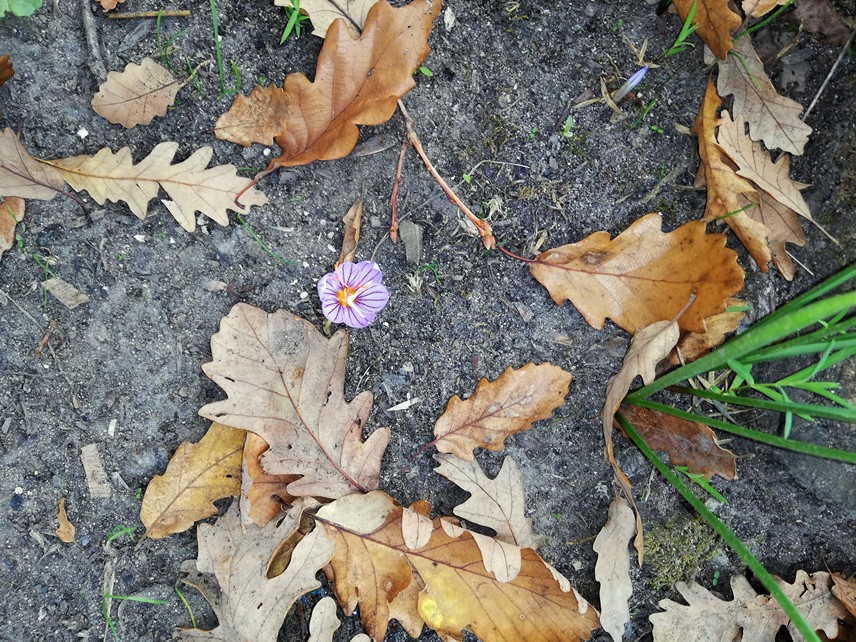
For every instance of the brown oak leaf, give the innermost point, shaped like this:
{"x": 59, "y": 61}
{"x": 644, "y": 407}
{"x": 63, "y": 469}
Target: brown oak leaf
{"x": 694, "y": 345}
{"x": 357, "y": 82}
{"x": 715, "y": 22}
{"x": 11, "y": 213}
{"x": 258, "y": 487}
{"x": 772, "y": 118}
{"x": 845, "y": 590}
{"x": 757, "y": 8}
{"x": 612, "y": 570}
{"x": 381, "y": 549}
{"x": 821, "y": 16}
{"x": 136, "y": 95}
{"x": 324, "y": 12}
{"x": 231, "y": 572}
{"x": 285, "y": 382}
{"x": 643, "y": 275}
{"x": 65, "y": 531}
{"x": 196, "y": 476}
{"x": 688, "y": 443}
{"x": 500, "y": 408}
{"x": 6, "y": 68}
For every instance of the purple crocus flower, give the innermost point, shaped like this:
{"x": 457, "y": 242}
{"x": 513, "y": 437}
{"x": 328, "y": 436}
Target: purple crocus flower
{"x": 352, "y": 294}
{"x": 634, "y": 80}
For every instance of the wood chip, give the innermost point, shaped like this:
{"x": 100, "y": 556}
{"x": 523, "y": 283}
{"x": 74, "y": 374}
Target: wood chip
{"x": 65, "y": 293}
{"x": 411, "y": 234}
{"x": 66, "y": 529}
{"x": 96, "y": 478}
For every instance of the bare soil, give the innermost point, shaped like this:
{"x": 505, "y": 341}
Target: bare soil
{"x": 503, "y": 77}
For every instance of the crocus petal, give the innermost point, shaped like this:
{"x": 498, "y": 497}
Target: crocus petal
{"x": 357, "y": 274}
{"x": 372, "y": 298}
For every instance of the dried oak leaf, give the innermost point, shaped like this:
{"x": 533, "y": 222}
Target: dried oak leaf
{"x": 6, "y": 68}
{"x": 500, "y": 408}
{"x": 357, "y": 82}
{"x": 65, "y": 530}
{"x": 352, "y": 220}
{"x": 772, "y": 118}
{"x": 192, "y": 187}
{"x": 757, "y": 8}
{"x": 324, "y": 622}
{"x": 381, "y": 549}
{"x": 845, "y": 590}
{"x": 715, "y": 22}
{"x": 196, "y": 476}
{"x": 22, "y": 175}
{"x": 285, "y": 382}
{"x": 643, "y": 275}
{"x": 821, "y": 16}
{"x": 612, "y": 570}
{"x": 694, "y": 345}
{"x": 232, "y": 574}
{"x": 688, "y": 443}
{"x": 109, "y": 5}
{"x": 322, "y": 13}
{"x": 497, "y": 503}
{"x": 748, "y": 617}
{"x": 724, "y": 186}
{"x": 137, "y": 95}
{"x": 11, "y": 213}
{"x": 258, "y": 487}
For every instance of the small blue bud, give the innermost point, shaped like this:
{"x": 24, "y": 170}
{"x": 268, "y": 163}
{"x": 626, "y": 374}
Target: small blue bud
{"x": 634, "y": 80}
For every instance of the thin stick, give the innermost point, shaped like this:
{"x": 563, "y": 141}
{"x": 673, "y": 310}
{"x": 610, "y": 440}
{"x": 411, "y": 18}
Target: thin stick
{"x": 484, "y": 229}
{"x": 393, "y": 199}
{"x": 173, "y": 13}
{"x": 96, "y": 61}
{"x": 829, "y": 75}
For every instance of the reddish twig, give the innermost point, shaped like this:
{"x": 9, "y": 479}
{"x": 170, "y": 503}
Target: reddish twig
{"x": 483, "y": 227}
{"x": 250, "y": 186}
{"x": 393, "y": 221}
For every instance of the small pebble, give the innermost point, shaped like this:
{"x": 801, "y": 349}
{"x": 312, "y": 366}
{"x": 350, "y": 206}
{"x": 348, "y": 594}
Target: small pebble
{"x": 591, "y": 9}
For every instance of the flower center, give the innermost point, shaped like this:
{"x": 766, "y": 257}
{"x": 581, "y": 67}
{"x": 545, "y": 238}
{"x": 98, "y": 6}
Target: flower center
{"x": 347, "y": 296}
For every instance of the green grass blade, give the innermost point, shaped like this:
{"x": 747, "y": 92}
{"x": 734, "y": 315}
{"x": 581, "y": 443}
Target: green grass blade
{"x": 756, "y": 435}
{"x": 725, "y": 533}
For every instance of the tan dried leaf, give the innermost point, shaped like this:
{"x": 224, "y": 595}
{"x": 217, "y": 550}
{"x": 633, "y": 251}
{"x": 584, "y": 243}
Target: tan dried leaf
{"x": 643, "y": 275}
{"x": 6, "y": 68}
{"x": 285, "y": 382}
{"x": 352, "y": 220}
{"x": 500, "y": 408}
{"x": 772, "y": 118}
{"x": 192, "y": 187}
{"x": 715, "y": 22}
{"x": 757, "y": 8}
{"x": 612, "y": 570}
{"x": 845, "y": 590}
{"x": 22, "y": 175}
{"x": 136, "y": 95}
{"x": 65, "y": 530}
{"x": 232, "y": 575}
{"x": 357, "y": 82}
{"x": 783, "y": 226}
{"x": 755, "y": 164}
{"x": 726, "y": 191}
{"x": 748, "y": 617}
{"x": 821, "y": 16}
{"x": 323, "y": 12}
{"x": 498, "y": 503}
{"x": 11, "y": 213}
{"x": 688, "y": 443}
{"x": 259, "y": 487}
{"x": 109, "y": 5}
{"x": 324, "y": 622}
{"x": 694, "y": 345}
{"x": 196, "y": 476}
{"x": 374, "y": 564}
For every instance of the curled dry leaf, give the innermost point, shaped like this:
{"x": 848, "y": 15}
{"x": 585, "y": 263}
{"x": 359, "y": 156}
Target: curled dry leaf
{"x": 498, "y": 503}
{"x": 65, "y": 530}
{"x": 136, "y": 95}
{"x": 285, "y": 382}
{"x": 109, "y": 5}
{"x": 757, "y": 8}
{"x": 196, "y": 476}
{"x": 322, "y": 13}
{"x": 612, "y": 570}
{"x": 11, "y": 213}
{"x": 715, "y": 22}
{"x": 772, "y": 118}
{"x": 749, "y": 617}
{"x": 258, "y": 487}
{"x": 357, "y": 82}
{"x": 22, "y": 175}
{"x": 324, "y": 622}
{"x": 498, "y": 409}
{"x": 191, "y": 185}
{"x": 845, "y": 591}
{"x": 643, "y": 275}
{"x": 694, "y": 345}
{"x": 231, "y": 572}
{"x": 380, "y": 552}
{"x": 688, "y": 443}
{"x": 6, "y": 68}
{"x": 352, "y": 221}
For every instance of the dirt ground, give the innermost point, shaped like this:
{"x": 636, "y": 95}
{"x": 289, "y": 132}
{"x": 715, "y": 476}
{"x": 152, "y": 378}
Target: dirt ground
{"x": 123, "y": 371}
